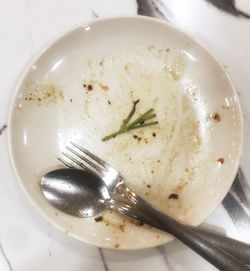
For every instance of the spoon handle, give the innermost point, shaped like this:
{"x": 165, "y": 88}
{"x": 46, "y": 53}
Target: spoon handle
{"x": 212, "y": 253}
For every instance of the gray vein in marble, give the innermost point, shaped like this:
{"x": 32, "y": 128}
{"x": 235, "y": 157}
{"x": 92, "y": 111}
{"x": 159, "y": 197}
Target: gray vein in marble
{"x": 163, "y": 252}
{"x": 5, "y": 257}
{"x": 241, "y": 189}
{"x": 94, "y": 14}
{"x": 27, "y": 4}
{"x": 105, "y": 266}
{"x": 153, "y": 8}
{"x": 229, "y": 7}
{"x": 237, "y": 213}
{"x": 31, "y": 43}
{"x": 3, "y": 128}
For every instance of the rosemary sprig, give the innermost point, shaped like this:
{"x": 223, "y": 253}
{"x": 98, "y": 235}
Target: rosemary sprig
{"x": 130, "y": 115}
{"x": 144, "y": 125}
{"x": 140, "y": 122}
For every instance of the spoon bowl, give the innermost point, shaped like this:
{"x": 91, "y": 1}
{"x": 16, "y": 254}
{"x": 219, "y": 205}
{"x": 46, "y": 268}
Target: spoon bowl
{"x": 75, "y": 193}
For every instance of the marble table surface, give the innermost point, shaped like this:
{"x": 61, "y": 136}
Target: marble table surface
{"x": 27, "y": 241}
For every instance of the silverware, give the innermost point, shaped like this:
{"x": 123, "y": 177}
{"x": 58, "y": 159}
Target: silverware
{"x": 115, "y": 186}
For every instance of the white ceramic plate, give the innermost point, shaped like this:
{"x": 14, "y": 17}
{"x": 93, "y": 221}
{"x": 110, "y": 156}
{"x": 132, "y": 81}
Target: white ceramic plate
{"x": 197, "y": 144}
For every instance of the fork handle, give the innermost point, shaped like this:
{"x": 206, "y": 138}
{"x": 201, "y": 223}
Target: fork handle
{"x": 234, "y": 247}
{"x": 211, "y": 252}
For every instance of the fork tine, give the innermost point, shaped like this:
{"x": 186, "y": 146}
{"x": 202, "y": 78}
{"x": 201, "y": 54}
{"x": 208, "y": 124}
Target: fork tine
{"x": 75, "y": 160}
{"x": 91, "y": 155}
{"x": 86, "y": 160}
{"x": 86, "y": 168}
{"x": 65, "y": 162}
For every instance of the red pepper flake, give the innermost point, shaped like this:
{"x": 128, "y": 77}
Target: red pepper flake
{"x": 154, "y": 134}
{"x": 173, "y": 196}
{"x": 221, "y": 160}
{"x": 90, "y": 87}
{"x": 99, "y": 219}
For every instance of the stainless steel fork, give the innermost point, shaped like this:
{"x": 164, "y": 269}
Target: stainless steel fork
{"x": 212, "y": 246}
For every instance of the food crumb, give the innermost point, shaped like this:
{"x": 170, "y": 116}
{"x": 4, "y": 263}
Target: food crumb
{"x": 158, "y": 161}
{"x": 221, "y": 160}
{"x": 117, "y": 245}
{"x": 90, "y": 87}
{"x": 173, "y": 196}
{"x": 135, "y": 136}
{"x": 152, "y": 171}
{"x": 104, "y": 87}
{"x": 56, "y": 213}
{"x": 84, "y": 85}
{"x": 167, "y": 50}
{"x": 71, "y": 100}
{"x": 109, "y": 102}
{"x": 151, "y": 47}
{"x": 122, "y": 227}
{"x": 101, "y": 62}
{"x": 99, "y": 219}
{"x": 154, "y": 134}
{"x": 174, "y": 74}
{"x": 148, "y": 186}
{"x": 214, "y": 116}
{"x": 146, "y": 194}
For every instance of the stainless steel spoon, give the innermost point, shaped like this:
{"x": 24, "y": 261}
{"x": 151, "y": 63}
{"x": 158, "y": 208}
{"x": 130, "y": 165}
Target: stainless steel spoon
{"x": 83, "y": 194}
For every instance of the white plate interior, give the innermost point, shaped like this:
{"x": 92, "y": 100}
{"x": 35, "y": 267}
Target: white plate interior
{"x": 194, "y": 154}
